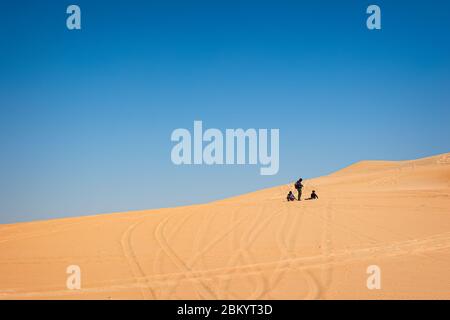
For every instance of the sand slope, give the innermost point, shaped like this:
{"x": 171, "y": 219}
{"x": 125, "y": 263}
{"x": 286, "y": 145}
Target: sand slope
{"x": 391, "y": 214}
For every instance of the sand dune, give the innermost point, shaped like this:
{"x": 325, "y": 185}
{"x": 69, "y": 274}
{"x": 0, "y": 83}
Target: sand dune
{"x": 391, "y": 214}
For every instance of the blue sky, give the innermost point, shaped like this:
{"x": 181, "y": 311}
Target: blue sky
{"x": 86, "y": 116}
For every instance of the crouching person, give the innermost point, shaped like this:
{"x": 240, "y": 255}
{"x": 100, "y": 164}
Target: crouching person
{"x": 313, "y": 196}
{"x": 290, "y": 196}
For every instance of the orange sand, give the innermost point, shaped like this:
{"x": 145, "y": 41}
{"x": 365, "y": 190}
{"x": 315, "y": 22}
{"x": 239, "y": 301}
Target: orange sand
{"x": 392, "y": 214}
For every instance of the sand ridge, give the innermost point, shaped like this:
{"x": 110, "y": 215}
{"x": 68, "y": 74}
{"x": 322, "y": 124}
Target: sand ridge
{"x": 394, "y": 214}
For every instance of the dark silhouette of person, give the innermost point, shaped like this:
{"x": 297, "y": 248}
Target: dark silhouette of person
{"x": 299, "y": 186}
{"x": 290, "y": 196}
{"x": 314, "y": 196}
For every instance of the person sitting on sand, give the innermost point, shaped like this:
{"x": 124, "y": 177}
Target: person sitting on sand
{"x": 314, "y": 196}
{"x": 290, "y": 196}
{"x": 299, "y": 186}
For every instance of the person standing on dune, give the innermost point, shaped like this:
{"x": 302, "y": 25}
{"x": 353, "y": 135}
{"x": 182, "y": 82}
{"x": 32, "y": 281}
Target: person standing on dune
{"x": 299, "y": 186}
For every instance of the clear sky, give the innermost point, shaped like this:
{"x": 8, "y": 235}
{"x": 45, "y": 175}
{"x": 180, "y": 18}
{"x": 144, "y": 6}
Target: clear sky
{"x": 86, "y": 116}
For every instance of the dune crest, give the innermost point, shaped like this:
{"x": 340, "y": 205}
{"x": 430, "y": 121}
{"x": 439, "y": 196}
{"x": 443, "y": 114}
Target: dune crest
{"x": 392, "y": 214}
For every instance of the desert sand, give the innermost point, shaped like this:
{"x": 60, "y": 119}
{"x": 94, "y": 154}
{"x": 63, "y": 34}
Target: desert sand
{"x": 395, "y": 215}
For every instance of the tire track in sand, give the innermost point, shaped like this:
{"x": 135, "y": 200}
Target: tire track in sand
{"x": 188, "y": 267}
{"x": 136, "y": 269}
{"x": 158, "y": 262}
{"x": 207, "y": 218}
{"x": 391, "y": 250}
{"x": 186, "y": 271}
{"x": 189, "y": 273}
{"x": 241, "y": 253}
{"x": 246, "y": 240}
{"x": 286, "y": 238}
{"x": 327, "y": 247}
